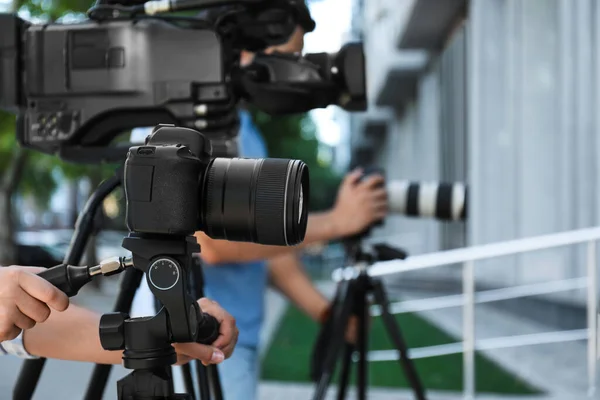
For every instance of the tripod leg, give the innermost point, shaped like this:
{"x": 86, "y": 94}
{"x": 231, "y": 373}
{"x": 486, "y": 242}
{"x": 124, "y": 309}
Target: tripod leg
{"x": 129, "y": 285}
{"x": 208, "y": 377}
{"x": 346, "y": 368}
{"x": 202, "y": 380}
{"x": 188, "y": 383}
{"x": 363, "y": 329}
{"x": 396, "y": 337}
{"x": 340, "y": 322}
{"x": 215, "y": 382}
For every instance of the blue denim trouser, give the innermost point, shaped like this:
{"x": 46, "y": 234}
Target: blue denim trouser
{"x": 240, "y": 374}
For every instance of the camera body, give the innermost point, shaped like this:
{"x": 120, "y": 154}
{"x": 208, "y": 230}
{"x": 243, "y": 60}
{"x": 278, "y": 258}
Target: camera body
{"x": 76, "y": 87}
{"x": 173, "y": 186}
{"x": 170, "y": 207}
{"x": 107, "y": 78}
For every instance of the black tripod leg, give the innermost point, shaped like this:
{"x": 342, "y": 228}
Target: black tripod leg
{"x": 129, "y": 285}
{"x": 346, "y": 369}
{"x": 341, "y": 318}
{"x": 188, "y": 383}
{"x": 363, "y": 340}
{"x": 32, "y": 369}
{"x": 207, "y": 376}
{"x": 398, "y": 340}
{"x": 215, "y": 382}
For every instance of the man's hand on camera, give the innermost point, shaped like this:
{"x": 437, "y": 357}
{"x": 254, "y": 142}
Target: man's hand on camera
{"x": 26, "y": 299}
{"x": 221, "y": 349}
{"x": 359, "y": 204}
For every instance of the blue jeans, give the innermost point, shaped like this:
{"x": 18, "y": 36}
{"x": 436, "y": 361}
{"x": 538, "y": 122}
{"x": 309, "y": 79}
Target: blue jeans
{"x": 240, "y": 374}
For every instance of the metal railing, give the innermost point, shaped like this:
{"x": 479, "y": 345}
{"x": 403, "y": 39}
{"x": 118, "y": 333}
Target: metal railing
{"x": 469, "y": 298}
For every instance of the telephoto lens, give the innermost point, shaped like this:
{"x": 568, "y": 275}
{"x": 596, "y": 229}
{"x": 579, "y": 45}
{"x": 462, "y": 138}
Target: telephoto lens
{"x": 255, "y": 200}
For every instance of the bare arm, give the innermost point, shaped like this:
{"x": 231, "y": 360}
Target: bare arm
{"x": 358, "y": 205}
{"x": 70, "y": 335}
{"x": 321, "y": 227}
{"x": 73, "y": 335}
{"x": 287, "y": 275}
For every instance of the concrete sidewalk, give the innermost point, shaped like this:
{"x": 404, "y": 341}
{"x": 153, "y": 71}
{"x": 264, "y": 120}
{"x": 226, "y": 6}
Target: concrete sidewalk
{"x": 558, "y": 368}
{"x": 293, "y": 391}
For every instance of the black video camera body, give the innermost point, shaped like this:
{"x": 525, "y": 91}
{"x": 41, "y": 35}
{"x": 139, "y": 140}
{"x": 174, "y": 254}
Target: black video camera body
{"x": 76, "y": 87}
{"x": 173, "y": 186}
{"x": 84, "y": 84}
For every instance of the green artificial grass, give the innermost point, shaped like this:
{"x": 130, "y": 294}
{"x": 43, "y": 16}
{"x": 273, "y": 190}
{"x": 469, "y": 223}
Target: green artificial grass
{"x": 288, "y": 358}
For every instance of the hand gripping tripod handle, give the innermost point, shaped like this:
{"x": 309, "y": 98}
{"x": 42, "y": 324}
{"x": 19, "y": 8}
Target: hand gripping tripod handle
{"x": 208, "y": 329}
{"x": 68, "y": 278}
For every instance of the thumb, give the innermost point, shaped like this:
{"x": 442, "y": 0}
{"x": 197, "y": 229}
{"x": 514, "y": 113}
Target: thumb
{"x": 204, "y": 353}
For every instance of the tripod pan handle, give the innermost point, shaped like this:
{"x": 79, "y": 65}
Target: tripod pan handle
{"x": 208, "y": 329}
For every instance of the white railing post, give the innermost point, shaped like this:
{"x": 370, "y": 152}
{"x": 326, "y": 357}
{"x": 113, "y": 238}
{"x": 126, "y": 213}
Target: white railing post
{"x": 592, "y": 309}
{"x": 469, "y": 330}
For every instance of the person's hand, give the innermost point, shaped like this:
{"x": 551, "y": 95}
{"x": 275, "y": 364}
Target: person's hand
{"x": 221, "y": 349}
{"x": 26, "y": 299}
{"x": 359, "y": 204}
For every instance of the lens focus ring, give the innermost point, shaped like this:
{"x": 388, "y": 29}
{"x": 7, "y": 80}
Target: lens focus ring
{"x": 255, "y": 200}
{"x": 271, "y": 202}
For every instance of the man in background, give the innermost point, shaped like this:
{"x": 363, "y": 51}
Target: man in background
{"x": 237, "y": 274}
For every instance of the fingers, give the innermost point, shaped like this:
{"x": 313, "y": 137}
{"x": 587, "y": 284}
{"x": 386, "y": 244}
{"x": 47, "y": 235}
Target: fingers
{"x": 379, "y": 195}
{"x": 227, "y": 346}
{"x": 44, "y": 291}
{"x": 9, "y": 332}
{"x": 228, "y": 331}
{"x": 182, "y": 359}
{"x": 353, "y": 177}
{"x": 21, "y": 320}
{"x": 372, "y": 182}
{"x": 379, "y": 208}
{"x": 31, "y": 307}
{"x": 206, "y": 354}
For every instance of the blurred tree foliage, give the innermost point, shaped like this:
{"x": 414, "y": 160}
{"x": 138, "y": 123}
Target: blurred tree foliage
{"x": 295, "y": 136}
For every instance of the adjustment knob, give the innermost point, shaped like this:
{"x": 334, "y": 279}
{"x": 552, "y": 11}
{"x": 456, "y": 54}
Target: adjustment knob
{"x": 112, "y": 331}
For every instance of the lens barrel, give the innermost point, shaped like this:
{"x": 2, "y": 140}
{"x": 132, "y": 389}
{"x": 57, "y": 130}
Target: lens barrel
{"x": 255, "y": 200}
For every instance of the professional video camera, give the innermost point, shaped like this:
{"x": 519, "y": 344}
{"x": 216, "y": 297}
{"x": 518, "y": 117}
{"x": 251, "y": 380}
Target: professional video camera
{"x": 76, "y": 87}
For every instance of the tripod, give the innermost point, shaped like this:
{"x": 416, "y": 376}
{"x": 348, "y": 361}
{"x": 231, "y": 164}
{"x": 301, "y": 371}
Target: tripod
{"x": 208, "y": 378}
{"x": 352, "y": 298}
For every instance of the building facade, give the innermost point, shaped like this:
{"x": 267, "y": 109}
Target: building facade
{"x": 502, "y": 95}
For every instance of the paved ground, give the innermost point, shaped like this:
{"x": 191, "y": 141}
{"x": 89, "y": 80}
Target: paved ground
{"x": 270, "y": 391}
{"x": 558, "y": 368}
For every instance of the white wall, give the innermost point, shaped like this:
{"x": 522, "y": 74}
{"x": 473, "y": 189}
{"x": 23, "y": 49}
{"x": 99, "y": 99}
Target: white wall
{"x": 533, "y": 131}
{"x": 529, "y": 147}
